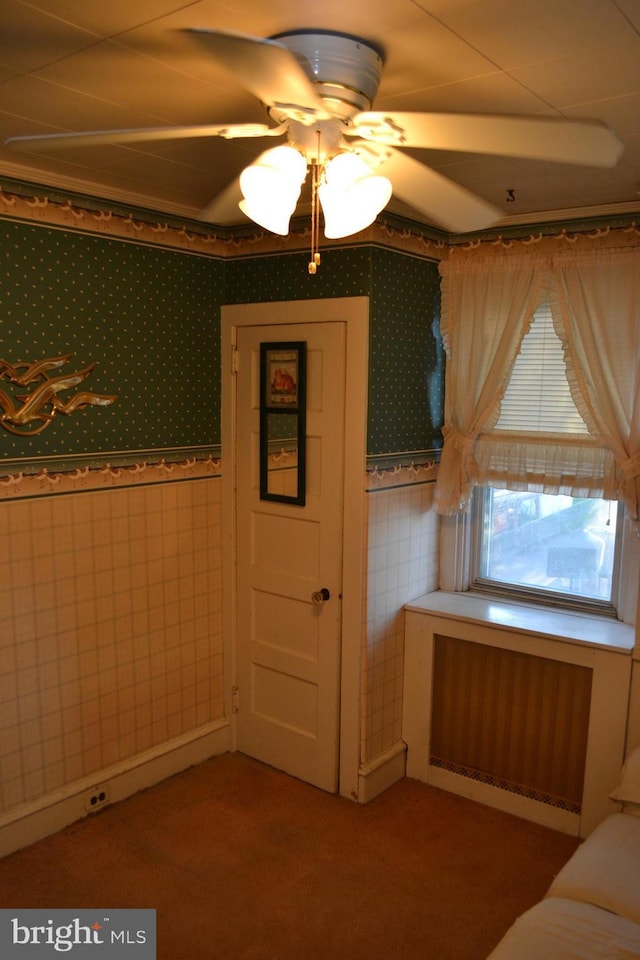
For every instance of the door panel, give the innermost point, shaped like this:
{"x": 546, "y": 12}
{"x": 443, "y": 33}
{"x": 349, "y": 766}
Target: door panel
{"x": 288, "y": 646}
{"x": 300, "y": 540}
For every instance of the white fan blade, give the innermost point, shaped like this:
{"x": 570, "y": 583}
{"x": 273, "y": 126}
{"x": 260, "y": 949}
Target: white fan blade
{"x": 91, "y": 138}
{"x": 446, "y": 203}
{"x": 267, "y": 69}
{"x": 224, "y": 208}
{"x": 585, "y": 142}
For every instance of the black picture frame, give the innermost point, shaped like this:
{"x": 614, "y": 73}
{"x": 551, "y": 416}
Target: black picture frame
{"x": 283, "y": 410}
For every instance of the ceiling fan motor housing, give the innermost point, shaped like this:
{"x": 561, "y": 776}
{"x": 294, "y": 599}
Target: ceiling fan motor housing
{"x": 345, "y": 69}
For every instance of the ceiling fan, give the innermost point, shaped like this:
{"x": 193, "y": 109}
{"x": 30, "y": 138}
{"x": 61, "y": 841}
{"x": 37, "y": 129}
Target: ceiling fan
{"x": 318, "y": 88}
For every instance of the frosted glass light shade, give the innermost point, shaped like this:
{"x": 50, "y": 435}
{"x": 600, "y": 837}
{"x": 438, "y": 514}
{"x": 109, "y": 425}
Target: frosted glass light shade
{"x": 273, "y": 217}
{"x": 344, "y": 169}
{"x": 352, "y": 196}
{"x": 271, "y": 188}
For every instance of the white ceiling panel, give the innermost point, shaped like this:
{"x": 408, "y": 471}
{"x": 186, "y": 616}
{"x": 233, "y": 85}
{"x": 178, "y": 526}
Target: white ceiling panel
{"x": 514, "y": 33}
{"x": 490, "y": 93}
{"x": 107, "y": 18}
{"x": 49, "y": 38}
{"x": 570, "y": 81}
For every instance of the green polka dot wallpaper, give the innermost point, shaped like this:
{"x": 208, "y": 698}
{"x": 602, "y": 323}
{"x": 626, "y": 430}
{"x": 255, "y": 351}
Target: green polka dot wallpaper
{"x": 148, "y": 317}
{"x": 344, "y": 272}
{"x": 406, "y": 357}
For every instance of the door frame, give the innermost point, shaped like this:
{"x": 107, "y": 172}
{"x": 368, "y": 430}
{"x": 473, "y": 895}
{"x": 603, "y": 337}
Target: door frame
{"x": 354, "y": 312}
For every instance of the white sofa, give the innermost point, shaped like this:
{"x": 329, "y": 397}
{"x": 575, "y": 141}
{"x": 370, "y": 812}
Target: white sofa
{"x": 591, "y": 911}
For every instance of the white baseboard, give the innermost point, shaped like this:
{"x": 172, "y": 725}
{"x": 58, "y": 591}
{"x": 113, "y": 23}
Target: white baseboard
{"x": 381, "y": 773}
{"x": 32, "y": 821}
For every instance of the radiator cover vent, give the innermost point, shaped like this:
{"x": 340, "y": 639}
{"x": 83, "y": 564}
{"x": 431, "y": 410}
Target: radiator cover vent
{"x": 501, "y": 784}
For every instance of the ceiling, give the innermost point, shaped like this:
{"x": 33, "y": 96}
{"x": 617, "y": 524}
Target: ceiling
{"x": 70, "y": 65}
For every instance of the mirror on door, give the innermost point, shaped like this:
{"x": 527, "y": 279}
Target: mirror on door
{"x": 283, "y": 421}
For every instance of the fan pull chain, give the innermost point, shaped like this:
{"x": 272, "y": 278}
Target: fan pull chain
{"x": 313, "y": 264}
{"x": 316, "y": 172}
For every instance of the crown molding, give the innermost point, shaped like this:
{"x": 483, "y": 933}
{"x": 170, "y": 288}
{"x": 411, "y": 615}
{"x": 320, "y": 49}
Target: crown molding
{"x": 73, "y": 185}
{"x": 611, "y": 210}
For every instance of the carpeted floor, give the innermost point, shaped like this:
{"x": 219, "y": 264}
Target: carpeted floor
{"x": 242, "y": 862}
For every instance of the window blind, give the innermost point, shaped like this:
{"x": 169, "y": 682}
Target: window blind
{"x": 538, "y": 399}
{"x": 540, "y": 441}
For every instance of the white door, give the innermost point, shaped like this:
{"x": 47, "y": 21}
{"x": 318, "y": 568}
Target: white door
{"x": 288, "y": 646}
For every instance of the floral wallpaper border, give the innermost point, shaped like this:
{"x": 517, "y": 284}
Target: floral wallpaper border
{"x": 400, "y": 475}
{"x": 47, "y": 482}
{"x": 44, "y": 483}
{"x": 75, "y": 213}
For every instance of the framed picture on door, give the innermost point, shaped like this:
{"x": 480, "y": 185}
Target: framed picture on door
{"x": 283, "y": 421}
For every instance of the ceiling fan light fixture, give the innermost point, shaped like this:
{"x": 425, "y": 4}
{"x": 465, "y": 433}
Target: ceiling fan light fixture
{"x": 271, "y": 188}
{"x": 351, "y": 196}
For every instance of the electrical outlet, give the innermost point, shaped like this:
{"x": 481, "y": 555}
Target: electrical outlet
{"x": 97, "y": 798}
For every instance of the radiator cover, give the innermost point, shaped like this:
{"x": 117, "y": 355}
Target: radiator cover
{"x": 510, "y": 715}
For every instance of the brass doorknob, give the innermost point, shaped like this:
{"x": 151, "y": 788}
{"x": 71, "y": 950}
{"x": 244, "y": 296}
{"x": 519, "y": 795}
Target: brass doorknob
{"x": 319, "y": 596}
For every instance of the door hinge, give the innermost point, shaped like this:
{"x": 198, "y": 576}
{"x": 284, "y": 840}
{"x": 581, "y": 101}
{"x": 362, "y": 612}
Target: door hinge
{"x": 234, "y": 359}
{"x": 234, "y": 699}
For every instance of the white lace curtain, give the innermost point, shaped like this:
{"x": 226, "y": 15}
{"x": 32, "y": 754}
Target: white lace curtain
{"x": 487, "y": 307}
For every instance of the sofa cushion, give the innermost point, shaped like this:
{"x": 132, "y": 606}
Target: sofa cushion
{"x": 557, "y": 929}
{"x": 605, "y": 869}
{"x": 628, "y": 790}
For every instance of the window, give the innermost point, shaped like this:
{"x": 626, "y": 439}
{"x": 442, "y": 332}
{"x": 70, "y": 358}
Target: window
{"x": 559, "y": 549}
{"x": 527, "y": 542}
{"x": 568, "y": 424}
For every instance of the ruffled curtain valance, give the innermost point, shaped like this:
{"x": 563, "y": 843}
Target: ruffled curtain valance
{"x": 547, "y": 463}
{"x": 488, "y": 306}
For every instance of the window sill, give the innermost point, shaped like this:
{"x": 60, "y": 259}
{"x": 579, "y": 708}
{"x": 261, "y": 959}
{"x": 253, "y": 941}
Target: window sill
{"x": 587, "y": 629}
